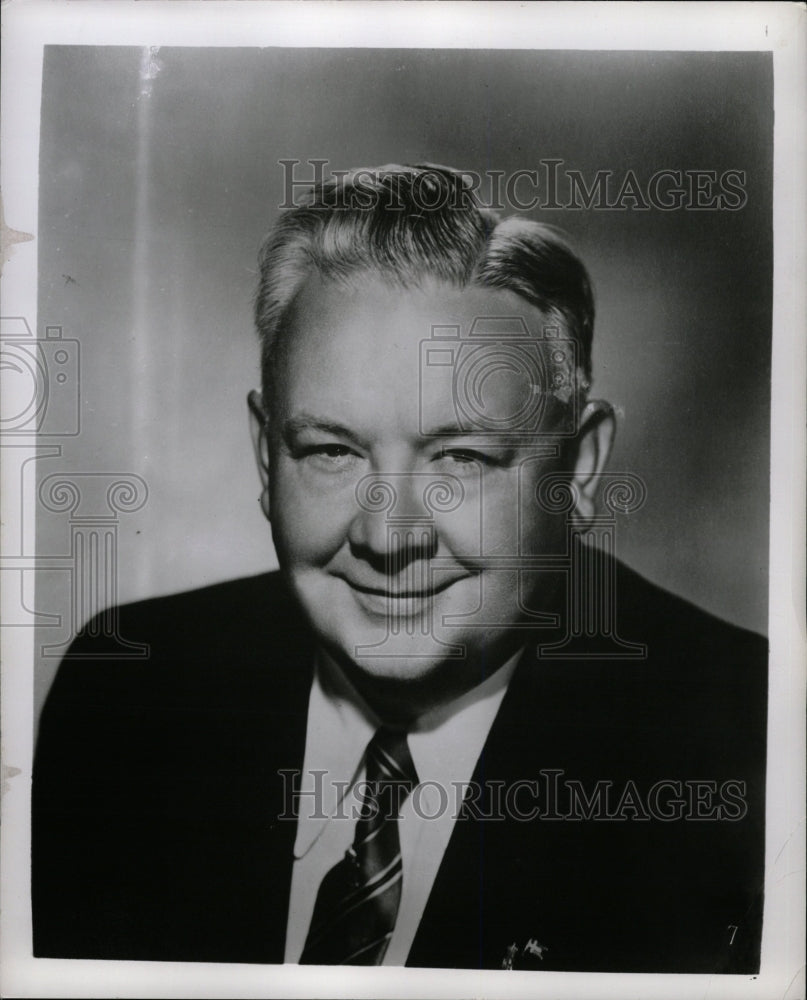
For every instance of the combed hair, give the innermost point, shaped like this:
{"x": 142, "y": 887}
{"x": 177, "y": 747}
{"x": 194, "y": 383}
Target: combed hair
{"x": 409, "y": 224}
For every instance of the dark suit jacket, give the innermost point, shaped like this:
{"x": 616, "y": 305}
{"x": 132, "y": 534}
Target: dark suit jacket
{"x": 156, "y": 802}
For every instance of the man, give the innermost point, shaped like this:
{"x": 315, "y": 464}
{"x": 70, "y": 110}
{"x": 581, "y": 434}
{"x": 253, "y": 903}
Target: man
{"x": 448, "y": 732}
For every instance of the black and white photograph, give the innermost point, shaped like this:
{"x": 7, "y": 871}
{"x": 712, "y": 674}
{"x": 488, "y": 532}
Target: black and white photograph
{"x": 403, "y": 472}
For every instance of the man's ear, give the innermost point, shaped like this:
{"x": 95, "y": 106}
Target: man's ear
{"x": 594, "y": 441}
{"x": 258, "y": 430}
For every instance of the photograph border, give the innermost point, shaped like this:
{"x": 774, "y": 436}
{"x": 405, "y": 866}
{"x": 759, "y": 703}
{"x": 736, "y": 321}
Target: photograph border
{"x": 28, "y": 26}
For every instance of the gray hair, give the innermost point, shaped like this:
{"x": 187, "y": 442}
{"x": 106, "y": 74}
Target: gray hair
{"x": 409, "y": 224}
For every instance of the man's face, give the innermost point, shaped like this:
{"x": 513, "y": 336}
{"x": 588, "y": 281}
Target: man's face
{"x": 398, "y": 526}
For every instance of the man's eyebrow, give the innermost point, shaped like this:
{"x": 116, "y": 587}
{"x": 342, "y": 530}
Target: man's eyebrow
{"x": 310, "y": 422}
{"x": 450, "y": 430}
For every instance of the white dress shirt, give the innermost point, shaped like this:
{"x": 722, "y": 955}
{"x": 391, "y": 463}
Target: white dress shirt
{"x": 445, "y": 745}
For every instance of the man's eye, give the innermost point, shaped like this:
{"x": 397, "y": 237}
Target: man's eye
{"x": 331, "y": 457}
{"x": 464, "y": 457}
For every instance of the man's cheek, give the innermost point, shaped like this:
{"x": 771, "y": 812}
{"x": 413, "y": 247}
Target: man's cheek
{"x": 498, "y": 519}
{"x": 308, "y": 529}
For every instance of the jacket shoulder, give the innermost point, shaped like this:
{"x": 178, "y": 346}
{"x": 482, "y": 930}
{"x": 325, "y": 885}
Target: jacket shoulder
{"x": 194, "y": 645}
{"x": 667, "y": 620}
{"x": 201, "y": 607}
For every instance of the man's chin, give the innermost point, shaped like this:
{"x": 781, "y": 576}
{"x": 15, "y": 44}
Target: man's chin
{"x": 403, "y": 674}
{"x": 377, "y": 645}
{"x": 370, "y": 628}
{"x": 394, "y": 656}
{"x": 402, "y": 687}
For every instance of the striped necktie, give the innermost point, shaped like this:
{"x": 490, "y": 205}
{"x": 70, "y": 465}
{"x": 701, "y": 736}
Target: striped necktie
{"x": 358, "y": 900}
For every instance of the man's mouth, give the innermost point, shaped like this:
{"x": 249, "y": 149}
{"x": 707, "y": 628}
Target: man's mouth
{"x": 398, "y": 600}
{"x": 397, "y": 595}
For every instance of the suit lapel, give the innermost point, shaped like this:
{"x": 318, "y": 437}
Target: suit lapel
{"x": 507, "y": 879}
{"x": 288, "y": 738}
{"x": 270, "y": 708}
{"x": 488, "y": 882}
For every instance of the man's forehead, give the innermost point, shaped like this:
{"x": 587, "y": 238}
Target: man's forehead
{"x": 378, "y": 358}
{"x": 366, "y": 302}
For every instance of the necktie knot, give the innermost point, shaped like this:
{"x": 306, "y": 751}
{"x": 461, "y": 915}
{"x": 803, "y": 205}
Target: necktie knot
{"x": 388, "y": 757}
{"x": 390, "y": 776}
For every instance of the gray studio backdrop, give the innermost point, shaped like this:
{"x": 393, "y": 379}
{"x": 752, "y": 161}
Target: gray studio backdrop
{"x": 159, "y": 175}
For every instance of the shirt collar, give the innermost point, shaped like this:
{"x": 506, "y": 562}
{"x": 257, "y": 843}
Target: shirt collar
{"x": 445, "y": 743}
{"x": 340, "y": 725}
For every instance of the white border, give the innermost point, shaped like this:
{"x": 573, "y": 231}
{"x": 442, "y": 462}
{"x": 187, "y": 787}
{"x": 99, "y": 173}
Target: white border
{"x": 776, "y": 27}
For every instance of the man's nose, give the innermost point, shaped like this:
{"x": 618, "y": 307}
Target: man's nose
{"x": 392, "y": 521}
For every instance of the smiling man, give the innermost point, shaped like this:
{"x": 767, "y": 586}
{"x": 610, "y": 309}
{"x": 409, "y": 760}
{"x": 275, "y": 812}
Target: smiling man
{"x": 343, "y": 419}
{"x": 390, "y": 752}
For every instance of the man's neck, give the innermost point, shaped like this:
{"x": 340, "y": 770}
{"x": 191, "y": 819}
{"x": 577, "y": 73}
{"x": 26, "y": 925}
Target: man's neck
{"x": 404, "y": 701}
